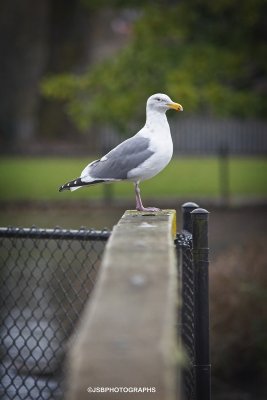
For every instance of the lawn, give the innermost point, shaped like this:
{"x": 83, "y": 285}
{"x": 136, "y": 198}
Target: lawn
{"x": 39, "y": 179}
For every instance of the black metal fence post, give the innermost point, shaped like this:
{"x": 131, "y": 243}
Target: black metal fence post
{"x": 201, "y": 296}
{"x": 184, "y": 253}
{"x": 224, "y": 175}
{"x": 187, "y": 208}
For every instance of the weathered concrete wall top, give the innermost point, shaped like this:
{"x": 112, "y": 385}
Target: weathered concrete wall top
{"x": 127, "y": 335}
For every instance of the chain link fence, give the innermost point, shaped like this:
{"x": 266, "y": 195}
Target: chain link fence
{"x": 184, "y": 248}
{"x": 46, "y": 276}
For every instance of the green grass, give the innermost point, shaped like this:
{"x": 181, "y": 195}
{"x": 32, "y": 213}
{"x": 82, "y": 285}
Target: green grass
{"x": 39, "y": 179}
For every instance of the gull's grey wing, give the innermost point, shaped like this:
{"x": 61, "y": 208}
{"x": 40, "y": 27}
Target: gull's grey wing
{"x": 119, "y": 161}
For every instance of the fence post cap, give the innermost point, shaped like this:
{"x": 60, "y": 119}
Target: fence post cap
{"x": 190, "y": 204}
{"x": 199, "y": 211}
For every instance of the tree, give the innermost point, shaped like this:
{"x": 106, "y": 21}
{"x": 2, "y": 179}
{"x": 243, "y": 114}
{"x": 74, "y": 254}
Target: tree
{"x": 210, "y": 56}
{"x": 37, "y": 38}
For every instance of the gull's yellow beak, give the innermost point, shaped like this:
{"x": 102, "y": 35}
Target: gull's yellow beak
{"x": 175, "y": 106}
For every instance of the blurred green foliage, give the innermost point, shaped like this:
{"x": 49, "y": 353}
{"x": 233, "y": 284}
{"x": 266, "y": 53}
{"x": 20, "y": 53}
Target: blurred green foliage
{"x": 209, "y": 56}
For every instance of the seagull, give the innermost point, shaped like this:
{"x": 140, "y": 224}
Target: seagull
{"x": 138, "y": 158}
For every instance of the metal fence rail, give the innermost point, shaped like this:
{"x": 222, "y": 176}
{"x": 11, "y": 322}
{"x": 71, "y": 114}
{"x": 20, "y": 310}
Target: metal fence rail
{"x": 207, "y": 135}
{"x": 203, "y": 135}
{"x": 46, "y": 277}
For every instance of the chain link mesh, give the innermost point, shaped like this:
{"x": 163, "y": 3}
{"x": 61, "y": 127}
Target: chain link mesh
{"x": 184, "y": 247}
{"x": 46, "y": 276}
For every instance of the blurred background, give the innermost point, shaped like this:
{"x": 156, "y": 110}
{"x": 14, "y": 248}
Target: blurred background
{"x": 74, "y": 80}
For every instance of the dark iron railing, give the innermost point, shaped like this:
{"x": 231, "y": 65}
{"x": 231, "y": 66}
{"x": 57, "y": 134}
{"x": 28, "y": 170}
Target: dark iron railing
{"x": 192, "y": 249}
{"x": 207, "y": 135}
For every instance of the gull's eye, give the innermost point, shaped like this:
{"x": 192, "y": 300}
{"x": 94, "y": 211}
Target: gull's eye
{"x": 158, "y": 99}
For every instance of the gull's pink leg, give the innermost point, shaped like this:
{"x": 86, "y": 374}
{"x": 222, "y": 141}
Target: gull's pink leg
{"x": 139, "y": 205}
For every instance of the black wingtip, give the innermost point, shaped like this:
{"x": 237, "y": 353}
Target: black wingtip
{"x": 68, "y": 185}
{"x": 78, "y": 182}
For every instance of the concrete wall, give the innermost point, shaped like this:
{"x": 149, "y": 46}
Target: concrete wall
{"x": 127, "y": 336}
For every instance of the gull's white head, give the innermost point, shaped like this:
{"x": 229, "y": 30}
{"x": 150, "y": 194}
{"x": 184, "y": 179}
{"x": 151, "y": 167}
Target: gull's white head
{"x": 161, "y": 102}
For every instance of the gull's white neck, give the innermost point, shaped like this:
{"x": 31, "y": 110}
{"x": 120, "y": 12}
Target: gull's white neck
{"x": 155, "y": 118}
